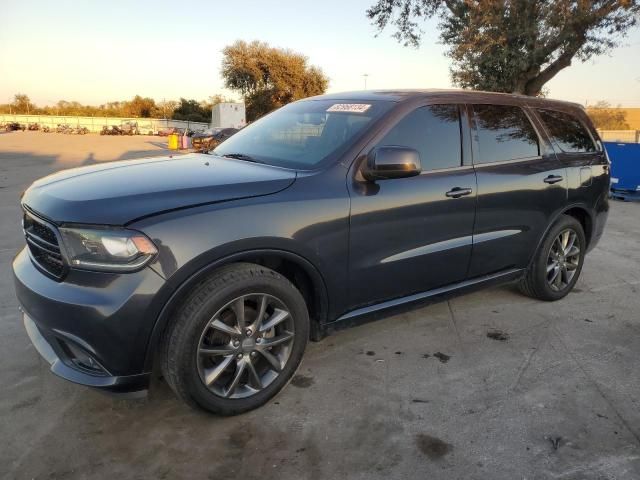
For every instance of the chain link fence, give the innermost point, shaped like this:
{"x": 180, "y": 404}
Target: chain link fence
{"x": 94, "y": 124}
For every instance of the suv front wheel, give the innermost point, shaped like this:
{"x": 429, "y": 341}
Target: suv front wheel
{"x": 237, "y": 340}
{"x": 557, "y": 265}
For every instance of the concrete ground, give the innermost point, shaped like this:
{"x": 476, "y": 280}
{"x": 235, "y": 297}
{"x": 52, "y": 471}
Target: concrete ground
{"x": 427, "y": 394}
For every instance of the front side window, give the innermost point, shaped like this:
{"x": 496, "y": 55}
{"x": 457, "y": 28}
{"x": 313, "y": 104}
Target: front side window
{"x": 304, "y": 134}
{"x": 434, "y": 131}
{"x": 567, "y": 132}
{"x": 504, "y": 133}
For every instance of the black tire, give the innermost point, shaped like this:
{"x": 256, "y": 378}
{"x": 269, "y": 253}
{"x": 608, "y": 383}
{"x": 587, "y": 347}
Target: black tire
{"x": 536, "y": 281}
{"x": 182, "y": 340}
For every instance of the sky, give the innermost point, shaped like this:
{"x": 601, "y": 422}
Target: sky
{"x": 99, "y": 51}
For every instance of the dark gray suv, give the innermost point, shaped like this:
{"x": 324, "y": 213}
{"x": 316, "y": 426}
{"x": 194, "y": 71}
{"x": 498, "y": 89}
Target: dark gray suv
{"x": 215, "y": 270}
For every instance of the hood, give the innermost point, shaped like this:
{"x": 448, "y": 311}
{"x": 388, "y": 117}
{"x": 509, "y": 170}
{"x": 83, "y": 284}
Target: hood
{"x": 119, "y": 192}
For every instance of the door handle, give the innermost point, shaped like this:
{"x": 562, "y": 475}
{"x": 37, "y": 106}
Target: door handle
{"x": 458, "y": 192}
{"x": 551, "y": 179}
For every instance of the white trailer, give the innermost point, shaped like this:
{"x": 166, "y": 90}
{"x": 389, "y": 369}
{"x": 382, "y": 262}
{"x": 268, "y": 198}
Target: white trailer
{"x": 228, "y": 115}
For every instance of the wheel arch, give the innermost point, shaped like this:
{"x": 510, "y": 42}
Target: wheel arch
{"x": 583, "y": 216}
{"x": 297, "y": 269}
{"x": 578, "y": 211}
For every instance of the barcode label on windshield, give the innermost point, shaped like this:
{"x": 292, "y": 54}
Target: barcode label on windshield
{"x": 349, "y": 107}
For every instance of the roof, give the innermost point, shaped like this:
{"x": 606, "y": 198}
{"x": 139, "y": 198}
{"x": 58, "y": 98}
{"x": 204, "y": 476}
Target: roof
{"x": 401, "y": 95}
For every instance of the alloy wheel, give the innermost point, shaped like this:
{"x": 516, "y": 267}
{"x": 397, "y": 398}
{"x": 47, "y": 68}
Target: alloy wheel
{"x": 563, "y": 260}
{"x": 245, "y": 345}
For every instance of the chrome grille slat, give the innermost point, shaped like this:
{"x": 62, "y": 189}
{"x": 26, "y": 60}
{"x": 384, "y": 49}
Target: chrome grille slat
{"x": 43, "y": 245}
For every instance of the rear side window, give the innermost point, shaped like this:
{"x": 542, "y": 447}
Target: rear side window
{"x": 434, "y": 131}
{"x": 567, "y": 132}
{"x": 504, "y": 133}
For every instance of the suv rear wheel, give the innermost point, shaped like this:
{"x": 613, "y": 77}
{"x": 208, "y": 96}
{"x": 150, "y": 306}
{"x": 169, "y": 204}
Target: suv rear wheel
{"x": 558, "y": 262}
{"x": 237, "y": 340}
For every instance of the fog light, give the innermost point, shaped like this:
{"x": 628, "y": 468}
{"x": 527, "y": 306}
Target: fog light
{"x": 82, "y": 359}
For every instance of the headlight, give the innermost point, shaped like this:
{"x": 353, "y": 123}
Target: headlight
{"x": 107, "y": 249}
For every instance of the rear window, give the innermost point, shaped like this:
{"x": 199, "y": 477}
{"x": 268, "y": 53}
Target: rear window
{"x": 504, "y": 133}
{"x": 567, "y": 132}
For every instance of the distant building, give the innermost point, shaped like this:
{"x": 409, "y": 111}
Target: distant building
{"x": 228, "y": 115}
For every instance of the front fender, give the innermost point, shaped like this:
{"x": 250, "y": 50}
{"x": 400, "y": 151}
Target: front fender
{"x": 178, "y": 287}
{"x": 312, "y": 230}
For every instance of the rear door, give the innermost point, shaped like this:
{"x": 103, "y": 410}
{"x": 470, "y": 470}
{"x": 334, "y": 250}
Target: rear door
{"x": 521, "y": 185}
{"x": 576, "y": 146}
{"x": 413, "y": 234}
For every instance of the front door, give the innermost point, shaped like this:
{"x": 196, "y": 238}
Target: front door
{"x": 414, "y": 234}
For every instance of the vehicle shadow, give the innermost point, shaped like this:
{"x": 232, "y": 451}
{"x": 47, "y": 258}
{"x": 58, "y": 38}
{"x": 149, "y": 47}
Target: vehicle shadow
{"x": 159, "y": 145}
{"x": 133, "y": 154}
{"x": 19, "y": 160}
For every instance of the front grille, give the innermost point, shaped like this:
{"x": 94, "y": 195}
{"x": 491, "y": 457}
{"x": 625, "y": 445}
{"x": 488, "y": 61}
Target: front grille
{"x": 43, "y": 244}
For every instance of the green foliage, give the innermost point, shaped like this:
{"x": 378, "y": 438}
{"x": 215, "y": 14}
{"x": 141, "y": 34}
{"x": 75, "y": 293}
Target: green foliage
{"x": 512, "y": 45}
{"x": 192, "y": 111}
{"x": 137, "y": 107}
{"x": 140, "y": 107}
{"x": 607, "y": 118}
{"x": 21, "y": 104}
{"x": 268, "y": 77}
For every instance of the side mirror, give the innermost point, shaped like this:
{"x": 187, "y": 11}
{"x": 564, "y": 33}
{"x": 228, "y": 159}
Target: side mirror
{"x": 391, "y": 162}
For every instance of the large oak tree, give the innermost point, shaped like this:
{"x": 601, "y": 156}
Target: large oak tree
{"x": 268, "y": 77}
{"x": 512, "y": 45}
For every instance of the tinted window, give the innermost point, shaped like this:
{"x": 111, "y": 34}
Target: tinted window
{"x": 567, "y": 131}
{"x": 304, "y": 134}
{"x": 434, "y": 131}
{"x": 504, "y": 133}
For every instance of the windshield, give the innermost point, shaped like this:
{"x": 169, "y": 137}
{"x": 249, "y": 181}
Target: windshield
{"x": 303, "y": 135}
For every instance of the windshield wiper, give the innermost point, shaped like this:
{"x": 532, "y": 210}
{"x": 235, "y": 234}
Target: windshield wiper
{"x": 242, "y": 156}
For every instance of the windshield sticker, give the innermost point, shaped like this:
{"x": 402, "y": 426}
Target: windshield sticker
{"x": 349, "y": 107}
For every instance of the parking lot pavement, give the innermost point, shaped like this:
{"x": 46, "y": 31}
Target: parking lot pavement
{"x": 491, "y": 385}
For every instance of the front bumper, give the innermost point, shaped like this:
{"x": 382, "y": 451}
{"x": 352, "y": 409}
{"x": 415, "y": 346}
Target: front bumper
{"x": 93, "y": 328}
{"x": 132, "y": 385}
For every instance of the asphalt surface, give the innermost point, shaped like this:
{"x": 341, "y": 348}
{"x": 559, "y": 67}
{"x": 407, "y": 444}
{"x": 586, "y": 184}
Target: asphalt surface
{"x": 491, "y": 385}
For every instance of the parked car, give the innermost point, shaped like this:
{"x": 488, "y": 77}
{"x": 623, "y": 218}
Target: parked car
{"x": 77, "y": 130}
{"x": 328, "y": 211}
{"x": 129, "y": 128}
{"x": 112, "y": 130}
{"x": 211, "y": 138}
{"x": 165, "y": 132}
{"x": 12, "y": 126}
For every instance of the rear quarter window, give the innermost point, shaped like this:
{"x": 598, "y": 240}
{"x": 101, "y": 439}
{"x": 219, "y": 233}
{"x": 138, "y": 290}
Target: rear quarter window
{"x": 567, "y": 132}
{"x": 504, "y": 132}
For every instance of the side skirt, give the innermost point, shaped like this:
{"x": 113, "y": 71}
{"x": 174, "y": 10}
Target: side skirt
{"x": 391, "y": 307}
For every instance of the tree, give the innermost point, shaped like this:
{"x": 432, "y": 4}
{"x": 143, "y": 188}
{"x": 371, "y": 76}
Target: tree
{"x": 140, "y": 107}
{"x": 268, "y": 77}
{"x": 512, "y": 45}
{"x": 607, "y": 118}
{"x": 192, "y": 111}
{"x": 165, "y": 109}
{"x": 22, "y": 104}
{"x": 214, "y": 100}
